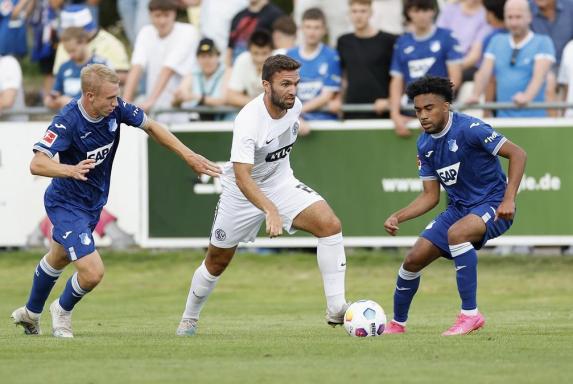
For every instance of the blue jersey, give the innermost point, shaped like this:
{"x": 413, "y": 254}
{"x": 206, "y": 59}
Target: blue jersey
{"x": 12, "y": 31}
{"x": 463, "y": 158}
{"x": 68, "y": 82}
{"x": 75, "y": 136}
{"x": 320, "y": 72}
{"x": 416, "y": 57}
{"x": 514, "y": 67}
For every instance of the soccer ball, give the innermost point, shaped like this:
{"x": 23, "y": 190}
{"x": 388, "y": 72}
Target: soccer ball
{"x": 364, "y": 318}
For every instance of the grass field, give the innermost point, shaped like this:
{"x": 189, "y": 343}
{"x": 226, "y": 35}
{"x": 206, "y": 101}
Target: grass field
{"x": 264, "y": 324}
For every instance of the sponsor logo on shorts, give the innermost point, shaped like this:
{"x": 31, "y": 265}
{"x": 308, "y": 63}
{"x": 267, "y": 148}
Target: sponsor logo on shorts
{"x": 220, "y": 234}
{"x": 278, "y": 154}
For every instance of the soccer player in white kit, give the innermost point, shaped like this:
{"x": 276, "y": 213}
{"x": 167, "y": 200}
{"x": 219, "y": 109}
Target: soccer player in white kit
{"x": 259, "y": 185}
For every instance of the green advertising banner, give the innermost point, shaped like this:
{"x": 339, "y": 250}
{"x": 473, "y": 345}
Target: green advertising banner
{"x": 365, "y": 175}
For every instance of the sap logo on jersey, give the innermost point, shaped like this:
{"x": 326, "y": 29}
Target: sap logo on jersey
{"x": 449, "y": 174}
{"x": 278, "y": 154}
{"x": 100, "y": 153}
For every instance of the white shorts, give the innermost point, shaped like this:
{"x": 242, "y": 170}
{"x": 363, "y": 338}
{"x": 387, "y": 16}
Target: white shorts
{"x": 238, "y": 220}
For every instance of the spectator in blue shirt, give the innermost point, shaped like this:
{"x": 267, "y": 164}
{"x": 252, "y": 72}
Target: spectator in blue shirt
{"x": 13, "y": 27}
{"x": 427, "y": 50}
{"x": 320, "y": 67}
{"x": 553, "y": 18}
{"x": 520, "y": 61}
{"x": 68, "y": 83}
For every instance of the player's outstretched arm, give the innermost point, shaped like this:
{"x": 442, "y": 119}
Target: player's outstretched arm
{"x": 517, "y": 158}
{"x": 254, "y": 194}
{"x": 198, "y": 163}
{"x": 42, "y": 165}
{"x": 428, "y": 199}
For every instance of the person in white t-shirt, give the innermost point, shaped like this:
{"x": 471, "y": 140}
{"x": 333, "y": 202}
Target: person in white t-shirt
{"x": 259, "y": 185}
{"x": 11, "y": 93}
{"x": 165, "y": 50}
{"x": 565, "y": 77}
{"x": 245, "y": 83}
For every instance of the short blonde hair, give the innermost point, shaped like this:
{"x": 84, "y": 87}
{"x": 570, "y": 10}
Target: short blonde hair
{"x": 93, "y": 75}
{"x": 361, "y": 2}
{"x": 75, "y": 33}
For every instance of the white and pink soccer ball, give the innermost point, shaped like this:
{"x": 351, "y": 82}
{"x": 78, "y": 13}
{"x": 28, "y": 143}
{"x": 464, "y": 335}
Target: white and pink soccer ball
{"x": 364, "y": 318}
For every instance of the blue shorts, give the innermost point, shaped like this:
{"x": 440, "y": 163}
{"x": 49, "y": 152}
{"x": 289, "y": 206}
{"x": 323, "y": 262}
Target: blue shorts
{"x": 437, "y": 231}
{"x": 73, "y": 229}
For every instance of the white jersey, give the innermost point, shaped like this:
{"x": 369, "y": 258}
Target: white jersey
{"x": 265, "y": 142}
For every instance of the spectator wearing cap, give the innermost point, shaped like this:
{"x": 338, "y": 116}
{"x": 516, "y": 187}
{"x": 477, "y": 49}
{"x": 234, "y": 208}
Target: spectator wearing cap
{"x": 11, "y": 92}
{"x": 206, "y": 84}
{"x": 165, "y": 51}
{"x": 13, "y": 15}
{"x": 520, "y": 62}
{"x": 245, "y": 83}
{"x": 68, "y": 83}
{"x": 101, "y": 43}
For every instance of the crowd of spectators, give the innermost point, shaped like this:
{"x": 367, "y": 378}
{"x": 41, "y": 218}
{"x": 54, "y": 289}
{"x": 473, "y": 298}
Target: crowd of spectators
{"x": 352, "y": 52}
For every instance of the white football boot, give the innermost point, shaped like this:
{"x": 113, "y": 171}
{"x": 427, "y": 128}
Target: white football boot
{"x": 21, "y": 316}
{"x": 187, "y": 327}
{"x": 61, "y": 321}
{"x": 336, "y": 318}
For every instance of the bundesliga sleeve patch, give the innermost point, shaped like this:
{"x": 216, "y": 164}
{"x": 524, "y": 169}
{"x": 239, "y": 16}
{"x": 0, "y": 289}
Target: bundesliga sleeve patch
{"x": 49, "y": 138}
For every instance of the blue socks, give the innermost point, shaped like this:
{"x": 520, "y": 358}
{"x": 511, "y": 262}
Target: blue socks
{"x": 406, "y": 287}
{"x": 465, "y": 259}
{"x": 72, "y": 293}
{"x": 45, "y": 278}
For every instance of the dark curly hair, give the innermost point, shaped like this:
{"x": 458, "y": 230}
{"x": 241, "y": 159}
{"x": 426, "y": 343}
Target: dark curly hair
{"x": 440, "y": 86}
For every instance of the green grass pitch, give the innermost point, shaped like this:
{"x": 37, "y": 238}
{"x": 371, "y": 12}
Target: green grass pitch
{"x": 264, "y": 324}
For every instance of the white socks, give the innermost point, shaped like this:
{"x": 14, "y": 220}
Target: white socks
{"x": 332, "y": 264}
{"x": 202, "y": 285}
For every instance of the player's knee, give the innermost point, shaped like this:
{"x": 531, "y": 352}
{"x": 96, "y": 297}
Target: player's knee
{"x": 217, "y": 262}
{"x": 456, "y": 236}
{"x": 330, "y": 225}
{"x": 90, "y": 279}
{"x": 412, "y": 262}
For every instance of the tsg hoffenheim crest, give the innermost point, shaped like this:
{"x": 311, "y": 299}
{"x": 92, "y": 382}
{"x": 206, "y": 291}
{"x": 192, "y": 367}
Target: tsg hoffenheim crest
{"x": 452, "y": 145}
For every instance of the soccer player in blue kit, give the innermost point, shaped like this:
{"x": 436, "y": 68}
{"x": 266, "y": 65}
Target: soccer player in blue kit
{"x": 86, "y": 135}
{"x": 460, "y": 153}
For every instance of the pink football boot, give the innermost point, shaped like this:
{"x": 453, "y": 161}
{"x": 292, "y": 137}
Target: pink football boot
{"x": 393, "y": 327}
{"x": 465, "y": 324}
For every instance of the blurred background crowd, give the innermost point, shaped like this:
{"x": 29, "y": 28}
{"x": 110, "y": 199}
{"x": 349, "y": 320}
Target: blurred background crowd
{"x": 189, "y": 60}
